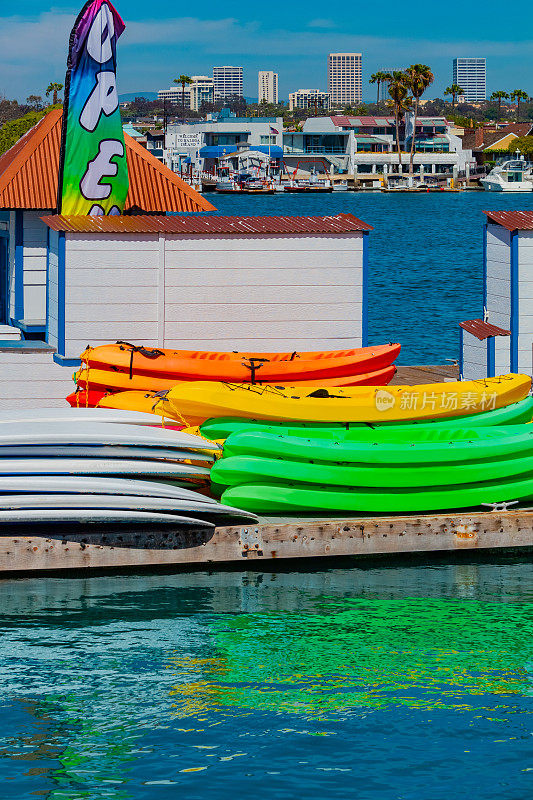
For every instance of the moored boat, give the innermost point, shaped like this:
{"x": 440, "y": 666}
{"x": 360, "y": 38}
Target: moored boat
{"x": 515, "y": 175}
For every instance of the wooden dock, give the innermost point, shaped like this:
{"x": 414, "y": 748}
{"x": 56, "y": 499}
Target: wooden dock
{"x": 412, "y": 376}
{"x": 273, "y": 540}
{"x": 279, "y": 539}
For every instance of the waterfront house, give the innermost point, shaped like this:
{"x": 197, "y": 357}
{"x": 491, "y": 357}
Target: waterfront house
{"x": 502, "y": 341}
{"x": 491, "y": 144}
{"x": 365, "y": 144}
{"x": 203, "y": 143}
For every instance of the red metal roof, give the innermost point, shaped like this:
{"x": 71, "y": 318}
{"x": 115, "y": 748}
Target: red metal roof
{"x": 29, "y": 174}
{"x": 482, "y": 330}
{"x": 512, "y": 220}
{"x": 210, "y": 226}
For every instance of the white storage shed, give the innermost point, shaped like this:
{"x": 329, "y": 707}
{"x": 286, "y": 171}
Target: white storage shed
{"x": 210, "y": 283}
{"x": 507, "y": 300}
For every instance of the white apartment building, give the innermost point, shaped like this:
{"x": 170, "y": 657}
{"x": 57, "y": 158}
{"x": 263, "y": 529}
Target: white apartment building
{"x": 345, "y": 78}
{"x": 228, "y": 81}
{"x": 201, "y": 90}
{"x": 267, "y": 86}
{"x": 471, "y": 75}
{"x": 309, "y": 98}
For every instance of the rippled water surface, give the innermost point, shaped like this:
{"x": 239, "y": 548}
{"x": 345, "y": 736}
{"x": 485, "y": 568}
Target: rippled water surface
{"x": 426, "y": 271}
{"x": 375, "y": 683}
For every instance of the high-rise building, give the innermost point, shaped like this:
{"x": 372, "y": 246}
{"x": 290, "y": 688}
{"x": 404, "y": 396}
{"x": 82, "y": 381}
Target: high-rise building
{"x": 309, "y": 98}
{"x": 345, "y": 78}
{"x": 227, "y": 81}
{"x": 192, "y": 95}
{"x": 267, "y": 86}
{"x": 471, "y": 75}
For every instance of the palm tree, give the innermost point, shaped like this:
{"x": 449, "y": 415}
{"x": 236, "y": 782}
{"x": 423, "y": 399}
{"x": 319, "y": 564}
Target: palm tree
{"x": 184, "y": 80}
{"x": 418, "y": 78}
{"x": 499, "y": 96}
{"x": 379, "y": 78}
{"x": 454, "y": 90}
{"x": 400, "y": 102}
{"x": 53, "y": 89}
{"x": 519, "y": 95}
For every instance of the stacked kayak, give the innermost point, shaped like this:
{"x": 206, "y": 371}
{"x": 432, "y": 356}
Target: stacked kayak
{"x": 105, "y": 466}
{"x": 198, "y": 402}
{"x": 363, "y": 471}
{"x": 220, "y": 428}
{"x": 125, "y": 367}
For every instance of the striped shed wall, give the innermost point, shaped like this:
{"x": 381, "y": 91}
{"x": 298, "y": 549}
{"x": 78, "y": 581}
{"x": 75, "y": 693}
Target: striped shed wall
{"x": 211, "y": 289}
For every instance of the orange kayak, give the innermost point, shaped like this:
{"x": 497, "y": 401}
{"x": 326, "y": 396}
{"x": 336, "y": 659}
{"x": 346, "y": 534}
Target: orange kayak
{"x": 84, "y": 399}
{"x": 239, "y": 367}
{"x": 106, "y": 381}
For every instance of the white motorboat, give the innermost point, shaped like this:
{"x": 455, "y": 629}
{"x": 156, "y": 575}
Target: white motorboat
{"x": 515, "y": 175}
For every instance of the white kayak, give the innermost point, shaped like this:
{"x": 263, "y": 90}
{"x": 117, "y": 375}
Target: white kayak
{"x": 34, "y": 516}
{"x": 20, "y": 433}
{"x": 96, "y": 466}
{"x": 79, "y": 415}
{"x": 103, "y": 501}
{"x": 69, "y": 484}
{"x": 102, "y": 451}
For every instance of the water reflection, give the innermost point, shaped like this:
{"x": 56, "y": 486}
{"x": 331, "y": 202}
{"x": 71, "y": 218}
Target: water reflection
{"x": 143, "y": 686}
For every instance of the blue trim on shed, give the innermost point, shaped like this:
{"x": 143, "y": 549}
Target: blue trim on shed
{"x": 19, "y": 265}
{"x": 61, "y": 294}
{"x": 364, "y": 315}
{"x": 515, "y": 320}
{"x": 461, "y": 355}
{"x": 63, "y": 361}
{"x": 4, "y": 277}
{"x": 485, "y": 227}
{"x": 47, "y": 283}
{"x": 27, "y": 327}
{"x": 491, "y": 357}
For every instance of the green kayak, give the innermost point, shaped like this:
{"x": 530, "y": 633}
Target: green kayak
{"x": 401, "y": 446}
{"x": 271, "y": 498}
{"x": 237, "y": 470}
{"x": 222, "y": 427}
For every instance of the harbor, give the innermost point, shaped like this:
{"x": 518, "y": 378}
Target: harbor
{"x": 266, "y": 412}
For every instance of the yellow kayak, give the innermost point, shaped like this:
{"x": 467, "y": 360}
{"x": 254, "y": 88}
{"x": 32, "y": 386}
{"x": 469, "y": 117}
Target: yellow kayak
{"x": 198, "y": 401}
{"x": 145, "y": 402}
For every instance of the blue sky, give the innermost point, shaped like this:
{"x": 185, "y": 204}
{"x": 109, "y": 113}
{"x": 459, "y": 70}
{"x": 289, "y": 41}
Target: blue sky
{"x": 291, "y": 38}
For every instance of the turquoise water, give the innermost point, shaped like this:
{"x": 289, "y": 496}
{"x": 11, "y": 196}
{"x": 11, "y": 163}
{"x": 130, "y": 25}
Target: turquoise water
{"x": 425, "y": 259}
{"x": 375, "y": 683}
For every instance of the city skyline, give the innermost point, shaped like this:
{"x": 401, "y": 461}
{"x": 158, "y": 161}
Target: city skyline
{"x": 33, "y": 46}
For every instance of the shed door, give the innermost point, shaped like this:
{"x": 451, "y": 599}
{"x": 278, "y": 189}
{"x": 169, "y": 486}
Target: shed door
{"x": 4, "y": 317}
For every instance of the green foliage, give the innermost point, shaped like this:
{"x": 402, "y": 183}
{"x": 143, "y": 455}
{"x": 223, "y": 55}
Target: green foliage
{"x": 14, "y": 129}
{"x": 463, "y": 121}
{"x": 524, "y": 144}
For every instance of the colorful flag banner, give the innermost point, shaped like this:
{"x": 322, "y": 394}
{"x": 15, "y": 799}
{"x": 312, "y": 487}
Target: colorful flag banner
{"x": 93, "y": 171}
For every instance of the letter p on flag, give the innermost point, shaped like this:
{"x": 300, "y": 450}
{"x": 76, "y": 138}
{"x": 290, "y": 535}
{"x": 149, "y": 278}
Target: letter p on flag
{"x": 93, "y": 165}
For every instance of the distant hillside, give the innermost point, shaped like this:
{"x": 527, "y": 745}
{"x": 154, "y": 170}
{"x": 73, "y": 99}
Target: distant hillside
{"x": 132, "y": 95}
